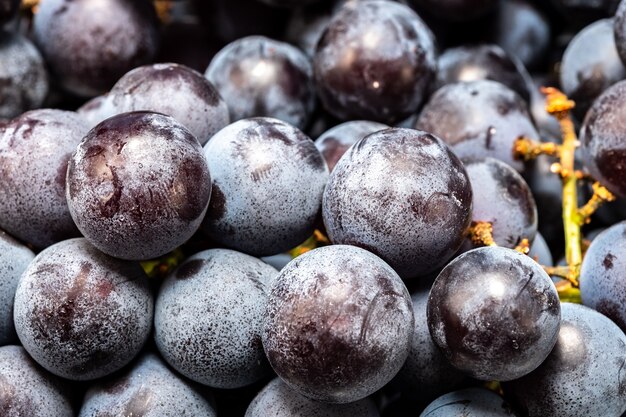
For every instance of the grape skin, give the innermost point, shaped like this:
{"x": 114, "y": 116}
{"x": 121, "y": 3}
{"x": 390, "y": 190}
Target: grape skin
{"x": 469, "y": 402}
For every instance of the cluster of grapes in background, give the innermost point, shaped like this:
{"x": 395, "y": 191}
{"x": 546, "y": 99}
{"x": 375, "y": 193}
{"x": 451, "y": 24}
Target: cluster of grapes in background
{"x": 312, "y": 208}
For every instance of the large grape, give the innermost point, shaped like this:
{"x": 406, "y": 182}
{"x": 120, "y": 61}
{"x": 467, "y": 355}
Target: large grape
{"x": 338, "y": 325}
{"x": 469, "y": 402}
{"x": 583, "y": 375}
{"x": 138, "y": 185}
{"x": 494, "y": 313}
{"x": 80, "y": 313}
{"x": 35, "y": 149}
{"x": 403, "y": 195}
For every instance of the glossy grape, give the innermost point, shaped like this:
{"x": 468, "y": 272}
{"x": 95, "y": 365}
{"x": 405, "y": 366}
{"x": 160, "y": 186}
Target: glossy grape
{"x": 138, "y": 185}
{"x": 80, "y": 313}
{"x": 208, "y": 318}
{"x": 583, "y": 375}
{"x": 268, "y": 179}
{"x": 374, "y": 61}
{"x": 494, "y": 313}
{"x": 403, "y": 195}
{"x": 338, "y": 325}
{"x": 258, "y": 76}
{"x": 35, "y": 149}
{"x": 469, "y": 402}
{"x": 478, "y": 119}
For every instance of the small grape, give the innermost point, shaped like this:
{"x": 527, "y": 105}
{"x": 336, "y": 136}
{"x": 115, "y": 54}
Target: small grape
{"x": 469, "y": 402}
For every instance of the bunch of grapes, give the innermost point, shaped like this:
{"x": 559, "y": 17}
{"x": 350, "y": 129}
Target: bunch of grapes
{"x": 313, "y": 208}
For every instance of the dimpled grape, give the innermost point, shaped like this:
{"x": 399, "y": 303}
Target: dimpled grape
{"x": 80, "y": 313}
{"x": 335, "y": 142}
{"x": 478, "y": 119}
{"x": 603, "y": 139}
{"x": 14, "y": 259}
{"x": 23, "y": 76}
{"x": 258, "y": 76}
{"x": 34, "y": 152}
{"x": 278, "y": 400}
{"x": 208, "y": 318}
{"x": 403, "y": 195}
{"x": 177, "y": 91}
{"x": 138, "y": 185}
{"x": 148, "y": 389}
{"x": 338, "y": 325}
{"x": 469, "y": 402}
{"x": 28, "y": 390}
{"x": 268, "y": 179}
{"x": 583, "y": 375}
{"x": 90, "y": 44}
{"x": 602, "y": 284}
{"x": 374, "y": 61}
{"x": 494, "y": 313}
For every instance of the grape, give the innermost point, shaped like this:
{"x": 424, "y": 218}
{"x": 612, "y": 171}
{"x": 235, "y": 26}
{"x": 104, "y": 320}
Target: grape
{"x": 28, "y": 390}
{"x": 494, "y": 313}
{"x": 602, "y": 139}
{"x": 590, "y": 65}
{"x": 175, "y": 90}
{"x": 501, "y": 197}
{"x": 268, "y": 180}
{"x": 338, "y": 324}
{"x": 375, "y": 61}
{"x": 540, "y": 251}
{"x": 335, "y": 142}
{"x": 209, "y": 315}
{"x": 258, "y": 76}
{"x": 34, "y": 152}
{"x": 482, "y": 62}
{"x": 97, "y": 109}
{"x": 138, "y": 185}
{"x": 469, "y": 402}
{"x": 278, "y": 400}
{"x": 80, "y": 313}
{"x": 602, "y": 285}
{"x": 90, "y": 44}
{"x": 457, "y": 10}
{"x": 8, "y": 9}
{"x": 619, "y": 30}
{"x": 14, "y": 259}
{"x": 403, "y": 195}
{"x": 23, "y": 76}
{"x": 478, "y": 119}
{"x": 148, "y": 389}
{"x": 582, "y": 376}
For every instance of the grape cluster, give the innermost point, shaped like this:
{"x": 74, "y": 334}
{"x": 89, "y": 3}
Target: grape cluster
{"x": 312, "y": 208}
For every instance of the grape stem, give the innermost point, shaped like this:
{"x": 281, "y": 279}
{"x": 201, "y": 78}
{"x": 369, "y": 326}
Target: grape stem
{"x": 481, "y": 234}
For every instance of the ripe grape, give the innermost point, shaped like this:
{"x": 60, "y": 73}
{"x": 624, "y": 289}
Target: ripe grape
{"x": 338, "y": 324}
{"x": 494, "y": 313}
{"x": 469, "y": 402}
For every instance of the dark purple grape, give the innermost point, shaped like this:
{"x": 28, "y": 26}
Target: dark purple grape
{"x": 426, "y": 372}
{"x": 138, "y": 185}
{"x": 583, "y": 375}
{"x": 90, "y": 44}
{"x": 501, "y": 197}
{"x": 28, "y": 390}
{"x": 8, "y": 8}
{"x": 483, "y": 62}
{"x": 34, "y": 152}
{"x": 469, "y": 402}
{"x": 590, "y": 65}
{"x": 602, "y": 284}
{"x": 457, "y": 10}
{"x": 338, "y": 325}
{"x": 268, "y": 180}
{"x": 148, "y": 389}
{"x": 278, "y": 400}
{"x": 23, "y": 75}
{"x": 619, "y": 30}
{"x": 478, "y": 119}
{"x": 209, "y": 316}
{"x": 14, "y": 259}
{"x": 403, "y": 195}
{"x": 494, "y": 313}
{"x": 335, "y": 142}
{"x": 258, "y": 76}
{"x": 603, "y": 139}
{"x": 80, "y": 313}
{"x": 375, "y": 61}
